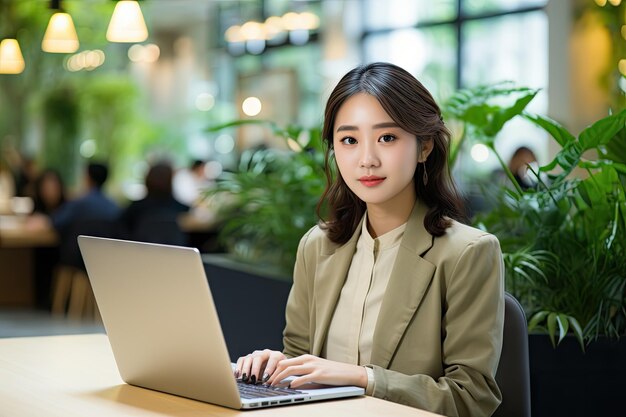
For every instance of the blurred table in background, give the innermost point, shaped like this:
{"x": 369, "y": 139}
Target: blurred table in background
{"x": 18, "y": 239}
{"x": 202, "y": 227}
{"x": 21, "y": 235}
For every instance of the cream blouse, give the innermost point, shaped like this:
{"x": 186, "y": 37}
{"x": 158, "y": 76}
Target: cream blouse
{"x": 351, "y": 329}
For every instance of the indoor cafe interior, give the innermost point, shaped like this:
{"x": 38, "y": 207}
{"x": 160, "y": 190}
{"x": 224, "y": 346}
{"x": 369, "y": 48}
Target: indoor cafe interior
{"x": 199, "y": 123}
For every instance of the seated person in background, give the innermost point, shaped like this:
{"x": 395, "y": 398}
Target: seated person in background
{"x": 49, "y": 195}
{"x": 189, "y": 182}
{"x": 93, "y": 213}
{"x": 49, "y": 192}
{"x": 25, "y": 176}
{"x": 519, "y": 164}
{"x": 154, "y": 218}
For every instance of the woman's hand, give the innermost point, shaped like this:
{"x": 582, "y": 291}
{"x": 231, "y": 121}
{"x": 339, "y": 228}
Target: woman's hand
{"x": 311, "y": 369}
{"x": 258, "y": 366}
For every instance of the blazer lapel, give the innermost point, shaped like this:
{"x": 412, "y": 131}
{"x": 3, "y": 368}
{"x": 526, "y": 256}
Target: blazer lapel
{"x": 409, "y": 279}
{"x": 331, "y": 274}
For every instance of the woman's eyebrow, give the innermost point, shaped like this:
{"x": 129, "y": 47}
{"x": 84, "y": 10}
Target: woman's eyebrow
{"x": 376, "y": 126}
{"x": 385, "y": 125}
{"x": 346, "y": 127}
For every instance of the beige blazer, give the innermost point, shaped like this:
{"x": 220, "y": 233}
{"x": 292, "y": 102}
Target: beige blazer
{"x": 438, "y": 337}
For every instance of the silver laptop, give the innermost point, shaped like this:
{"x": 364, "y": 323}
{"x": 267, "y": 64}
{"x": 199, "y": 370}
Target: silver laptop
{"x": 164, "y": 331}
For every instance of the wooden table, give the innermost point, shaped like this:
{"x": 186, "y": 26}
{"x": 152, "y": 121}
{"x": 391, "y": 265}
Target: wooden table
{"x": 18, "y": 238}
{"x": 69, "y": 376}
{"x": 18, "y": 232}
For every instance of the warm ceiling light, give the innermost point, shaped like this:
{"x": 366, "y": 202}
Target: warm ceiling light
{"x": 251, "y": 106}
{"x": 291, "y": 21}
{"x": 233, "y": 34}
{"x": 252, "y": 31}
{"x": 309, "y": 21}
{"x": 60, "y": 35}
{"x": 11, "y": 59}
{"x": 273, "y": 27}
{"x": 127, "y": 24}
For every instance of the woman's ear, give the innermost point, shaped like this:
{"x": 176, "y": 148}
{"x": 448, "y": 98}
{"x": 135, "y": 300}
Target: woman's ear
{"x": 427, "y": 148}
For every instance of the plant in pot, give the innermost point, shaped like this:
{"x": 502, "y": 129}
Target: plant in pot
{"x": 269, "y": 202}
{"x": 564, "y": 244}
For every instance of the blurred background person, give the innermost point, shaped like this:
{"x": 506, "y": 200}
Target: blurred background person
{"x": 49, "y": 195}
{"x": 93, "y": 204}
{"x": 155, "y": 217}
{"x": 26, "y": 175}
{"x": 93, "y": 213}
{"x": 189, "y": 182}
{"x": 49, "y": 192}
{"x": 522, "y": 164}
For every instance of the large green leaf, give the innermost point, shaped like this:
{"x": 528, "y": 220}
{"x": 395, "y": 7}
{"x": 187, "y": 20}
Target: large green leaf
{"x": 578, "y": 331}
{"x": 563, "y": 326}
{"x": 477, "y": 106}
{"x": 537, "y": 319}
{"x": 602, "y": 131}
{"x": 503, "y": 115}
{"x": 615, "y": 150}
{"x": 555, "y": 129}
{"x": 551, "y": 325}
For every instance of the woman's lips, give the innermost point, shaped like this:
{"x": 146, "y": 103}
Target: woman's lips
{"x": 371, "y": 180}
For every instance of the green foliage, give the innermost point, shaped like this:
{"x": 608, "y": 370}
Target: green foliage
{"x": 61, "y": 115}
{"x": 269, "y": 202}
{"x": 481, "y": 116}
{"x": 564, "y": 243}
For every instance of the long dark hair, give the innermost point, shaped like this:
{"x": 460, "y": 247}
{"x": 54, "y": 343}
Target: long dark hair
{"x": 159, "y": 180}
{"x": 413, "y": 108}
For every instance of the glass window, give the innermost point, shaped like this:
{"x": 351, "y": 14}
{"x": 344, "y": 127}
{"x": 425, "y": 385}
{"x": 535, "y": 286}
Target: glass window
{"x": 477, "y": 7}
{"x": 427, "y": 53}
{"x": 406, "y": 13}
{"x": 510, "y": 48}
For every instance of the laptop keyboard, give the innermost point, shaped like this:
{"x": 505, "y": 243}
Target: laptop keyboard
{"x": 249, "y": 391}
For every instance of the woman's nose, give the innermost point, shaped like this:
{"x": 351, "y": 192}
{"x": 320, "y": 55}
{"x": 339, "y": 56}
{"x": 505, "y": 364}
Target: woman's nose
{"x": 368, "y": 157}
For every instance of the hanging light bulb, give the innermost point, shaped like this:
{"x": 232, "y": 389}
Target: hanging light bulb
{"x": 60, "y": 34}
{"x": 11, "y": 59}
{"x": 127, "y": 24}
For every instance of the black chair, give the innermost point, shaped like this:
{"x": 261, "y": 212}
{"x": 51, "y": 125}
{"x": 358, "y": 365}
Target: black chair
{"x": 513, "y": 375}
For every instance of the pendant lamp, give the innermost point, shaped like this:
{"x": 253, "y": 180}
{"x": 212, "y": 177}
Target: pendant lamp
{"x": 11, "y": 59}
{"x": 60, "y": 35}
{"x": 127, "y": 24}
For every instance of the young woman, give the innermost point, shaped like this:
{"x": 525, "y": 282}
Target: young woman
{"x": 391, "y": 291}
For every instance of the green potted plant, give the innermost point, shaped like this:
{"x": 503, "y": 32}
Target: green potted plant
{"x": 269, "y": 202}
{"x": 564, "y": 246}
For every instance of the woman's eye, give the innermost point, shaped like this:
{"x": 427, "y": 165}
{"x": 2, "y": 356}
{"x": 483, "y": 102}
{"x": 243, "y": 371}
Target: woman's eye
{"x": 387, "y": 138}
{"x": 348, "y": 141}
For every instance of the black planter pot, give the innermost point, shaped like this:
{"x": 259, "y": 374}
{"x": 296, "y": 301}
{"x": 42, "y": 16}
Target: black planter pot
{"x": 250, "y": 302}
{"x": 567, "y": 382}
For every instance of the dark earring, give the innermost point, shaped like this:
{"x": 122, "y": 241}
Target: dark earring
{"x": 425, "y": 176}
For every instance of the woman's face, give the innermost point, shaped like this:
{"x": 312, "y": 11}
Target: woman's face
{"x": 51, "y": 191}
{"x": 376, "y": 158}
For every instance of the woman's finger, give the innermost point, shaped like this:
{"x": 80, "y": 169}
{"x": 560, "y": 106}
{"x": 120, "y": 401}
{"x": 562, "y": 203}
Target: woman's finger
{"x": 259, "y": 358}
{"x": 270, "y": 367}
{"x": 238, "y": 366}
{"x": 295, "y": 370}
{"x": 245, "y": 368}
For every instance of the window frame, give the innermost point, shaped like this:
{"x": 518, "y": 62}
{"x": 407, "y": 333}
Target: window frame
{"x": 457, "y": 25}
